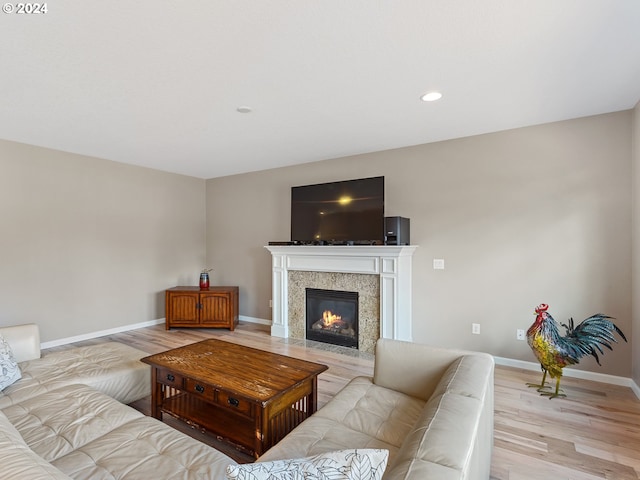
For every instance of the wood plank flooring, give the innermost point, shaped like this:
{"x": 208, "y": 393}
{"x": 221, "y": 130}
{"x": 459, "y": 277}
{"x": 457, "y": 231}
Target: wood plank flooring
{"x": 592, "y": 434}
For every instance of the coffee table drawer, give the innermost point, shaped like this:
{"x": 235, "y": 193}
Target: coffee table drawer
{"x": 167, "y": 377}
{"x": 206, "y": 392}
{"x": 234, "y": 403}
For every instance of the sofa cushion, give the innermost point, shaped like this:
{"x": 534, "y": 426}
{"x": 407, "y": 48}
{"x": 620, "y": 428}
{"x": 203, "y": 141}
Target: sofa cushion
{"x": 443, "y": 435}
{"x": 353, "y": 464}
{"x": 110, "y": 367}
{"x": 378, "y": 412}
{"x": 361, "y": 415}
{"x": 144, "y": 449}
{"x": 9, "y": 371}
{"x": 9, "y": 432}
{"x": 58, "y": 422}
{"x": 88, "y": 435}
{"x": 18, "y": 461}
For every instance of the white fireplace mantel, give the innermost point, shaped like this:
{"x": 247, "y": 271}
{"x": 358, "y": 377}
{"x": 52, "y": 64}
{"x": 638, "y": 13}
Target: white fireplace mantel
{"x": 391, "y": 263}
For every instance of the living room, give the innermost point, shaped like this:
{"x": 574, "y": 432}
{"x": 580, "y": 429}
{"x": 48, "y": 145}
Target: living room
{"x": 90, "y": 245}
{"x": 523, "y": 214}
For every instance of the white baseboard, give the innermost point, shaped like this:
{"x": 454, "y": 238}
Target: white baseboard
{"x": 101, "y": 333}
{"x": 261, "y": 321}
{"x": 126, "y": 328}
{"x": 571, "y": 372}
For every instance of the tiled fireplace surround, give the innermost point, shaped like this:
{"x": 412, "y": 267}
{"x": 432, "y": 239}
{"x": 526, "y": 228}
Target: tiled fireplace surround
{"x": 380, "y": 274}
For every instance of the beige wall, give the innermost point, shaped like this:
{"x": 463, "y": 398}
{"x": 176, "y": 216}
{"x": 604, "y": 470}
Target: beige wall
{"x": 636, "y": 244}
{"x": 89, "y": 245}
{"x": 538, "y": 214}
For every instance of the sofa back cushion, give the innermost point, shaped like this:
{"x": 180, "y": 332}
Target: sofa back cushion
{"x": 24, "y": 341}
{"x": 470, "y": 376}
{"x": 9, "y": 370}
{"x": 411, "y": 368}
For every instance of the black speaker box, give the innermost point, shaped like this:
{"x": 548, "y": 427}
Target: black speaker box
{"x": 396, "y": 231}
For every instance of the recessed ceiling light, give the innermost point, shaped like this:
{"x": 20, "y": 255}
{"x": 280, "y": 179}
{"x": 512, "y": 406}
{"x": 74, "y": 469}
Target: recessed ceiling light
{"x": 244, "y": 109}
{"x": 431, "y": 96}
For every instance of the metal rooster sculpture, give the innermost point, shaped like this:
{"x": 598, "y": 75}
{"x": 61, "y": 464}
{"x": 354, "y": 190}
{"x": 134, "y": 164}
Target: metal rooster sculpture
{"x": 555, "y": 352}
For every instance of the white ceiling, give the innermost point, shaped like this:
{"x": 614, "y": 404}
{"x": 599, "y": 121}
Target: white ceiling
{"x": 157, "y": 83}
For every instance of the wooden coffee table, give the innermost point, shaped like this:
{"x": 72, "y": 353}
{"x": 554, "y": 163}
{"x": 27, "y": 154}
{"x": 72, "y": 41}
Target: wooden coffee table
{"x": 245, "y": 396}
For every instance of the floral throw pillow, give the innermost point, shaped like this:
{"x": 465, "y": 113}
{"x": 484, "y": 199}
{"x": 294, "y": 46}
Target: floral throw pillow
{"x": 360, "y": 464}
{"x": 9, "y": 371}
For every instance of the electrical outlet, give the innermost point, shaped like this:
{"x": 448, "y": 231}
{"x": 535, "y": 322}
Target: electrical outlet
{"x": 475, "y": 328}
{"x": 520, "y": 334}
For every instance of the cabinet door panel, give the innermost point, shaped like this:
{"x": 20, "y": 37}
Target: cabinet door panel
{"x": 183, "y": 308}
{"x": 215, "y": 309}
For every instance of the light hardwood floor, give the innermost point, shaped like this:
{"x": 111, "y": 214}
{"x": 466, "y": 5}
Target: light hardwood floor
{"x": 592, "y": 434}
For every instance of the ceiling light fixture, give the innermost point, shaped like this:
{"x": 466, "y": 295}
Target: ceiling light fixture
{"x": 243, "y": 109}
{"x": 431, "y": 96}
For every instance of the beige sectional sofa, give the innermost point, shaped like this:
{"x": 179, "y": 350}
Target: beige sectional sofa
{"x": 64, "y": 418}
{"x": 431, "y": 408}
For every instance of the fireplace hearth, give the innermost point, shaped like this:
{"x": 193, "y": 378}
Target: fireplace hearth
{"x": 332, "y": 317}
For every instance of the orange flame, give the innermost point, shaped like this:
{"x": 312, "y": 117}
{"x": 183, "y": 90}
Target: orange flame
{"x": 329, "y": 319}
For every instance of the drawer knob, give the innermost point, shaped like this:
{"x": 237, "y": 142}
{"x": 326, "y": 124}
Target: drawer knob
{"x": 199, "y": 389}
{"x": 234, "y": 402}
{"x": 170, "y": 377}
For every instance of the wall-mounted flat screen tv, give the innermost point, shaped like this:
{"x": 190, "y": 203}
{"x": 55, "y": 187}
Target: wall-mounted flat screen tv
{"x": 350, "y": 211}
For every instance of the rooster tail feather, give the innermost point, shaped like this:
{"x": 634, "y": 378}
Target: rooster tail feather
{"x": 568, "y": 329}
{"x": 619, "y": 332}
{"x": 595, "y": 355}
{"x": 591, "y": 336}
{"x": 597, "y": 345}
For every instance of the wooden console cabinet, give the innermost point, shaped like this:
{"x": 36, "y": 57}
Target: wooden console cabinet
{"x": 216, "y": 307}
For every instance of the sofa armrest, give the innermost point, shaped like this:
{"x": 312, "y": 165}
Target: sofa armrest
{"x": 24, "y": 341}
{"x": 411, "y": 368}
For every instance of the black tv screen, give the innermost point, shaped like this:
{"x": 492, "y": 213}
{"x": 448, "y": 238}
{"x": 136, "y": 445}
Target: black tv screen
{"x": 339, "y": 212}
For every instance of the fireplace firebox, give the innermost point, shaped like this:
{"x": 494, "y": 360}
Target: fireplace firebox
{"x": 332, "y": 317}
